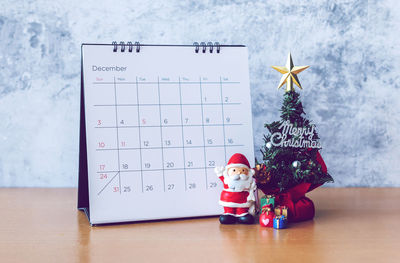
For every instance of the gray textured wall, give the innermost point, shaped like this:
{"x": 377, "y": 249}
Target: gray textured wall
{"x": 351, "y": 91}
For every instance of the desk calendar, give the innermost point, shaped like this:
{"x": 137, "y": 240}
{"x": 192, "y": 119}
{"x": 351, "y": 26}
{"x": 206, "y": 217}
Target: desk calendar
{"x": 155, "y": 121}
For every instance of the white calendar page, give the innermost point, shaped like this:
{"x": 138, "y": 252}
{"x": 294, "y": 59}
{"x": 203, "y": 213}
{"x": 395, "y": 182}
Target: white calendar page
{"x": 157, "y": 123}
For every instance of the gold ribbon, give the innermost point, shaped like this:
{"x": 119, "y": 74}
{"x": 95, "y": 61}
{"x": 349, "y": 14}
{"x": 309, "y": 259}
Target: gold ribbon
{"x": 265, "y": 209}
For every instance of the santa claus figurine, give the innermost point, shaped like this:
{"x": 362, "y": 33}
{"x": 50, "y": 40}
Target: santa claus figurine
{"x": 237, "y": 197}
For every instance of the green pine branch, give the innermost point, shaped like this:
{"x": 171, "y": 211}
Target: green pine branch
{"x": 279, "y": 160}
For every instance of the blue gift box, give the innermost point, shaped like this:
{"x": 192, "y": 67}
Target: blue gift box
{"x": 280, "y": 222}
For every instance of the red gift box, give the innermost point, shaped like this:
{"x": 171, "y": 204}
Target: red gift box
{"x": 267, "y": 216}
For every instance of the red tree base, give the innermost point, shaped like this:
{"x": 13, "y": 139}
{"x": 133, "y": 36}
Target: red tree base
{"x": 300, "y": 207}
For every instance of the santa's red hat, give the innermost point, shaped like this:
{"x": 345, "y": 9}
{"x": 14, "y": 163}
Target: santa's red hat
{"x": 238, "y": 160}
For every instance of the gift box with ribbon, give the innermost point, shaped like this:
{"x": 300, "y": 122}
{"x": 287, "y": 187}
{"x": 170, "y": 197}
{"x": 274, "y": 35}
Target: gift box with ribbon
{"x": 280, "y": 222}
{"x": 267, "y": 216}
{"x": 267, "y": 200}
{"x": 282, "y": 210}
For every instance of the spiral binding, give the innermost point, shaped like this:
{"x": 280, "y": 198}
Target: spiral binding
{"x": 137, "y": 44}
{"x": 123, "y": 46}
{"x": 204, "y": 47}
{"x": 130, "y": 46}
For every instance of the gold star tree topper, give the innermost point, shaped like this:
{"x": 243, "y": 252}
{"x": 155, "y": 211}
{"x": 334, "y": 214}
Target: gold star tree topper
{"x": 289, "y": 74}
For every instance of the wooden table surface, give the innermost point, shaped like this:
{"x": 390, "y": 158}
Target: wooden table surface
{"x": 351, "y": 225}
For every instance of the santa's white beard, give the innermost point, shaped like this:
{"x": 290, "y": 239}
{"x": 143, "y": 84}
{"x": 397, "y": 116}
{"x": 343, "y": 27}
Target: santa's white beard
{"x": 237, "y": 182}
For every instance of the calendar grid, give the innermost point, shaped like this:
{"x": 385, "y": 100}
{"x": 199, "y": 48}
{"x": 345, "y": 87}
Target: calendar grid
{"x": 156, "y": 126}
{"x": 165, "y": 104}
{"x": 223, "y": 117}
{"x": 116, "y": 123}
{"x": 162, "y": 124}
{"x": 170, "y": 147}
{"x": 151, "y": 170}
{"x": 204, "y": 140}
{"x": 140, "y": 138}
{"x": 183, "y": 136}
{"x": 161, "y": 133}
{"x": 112, "y": 178}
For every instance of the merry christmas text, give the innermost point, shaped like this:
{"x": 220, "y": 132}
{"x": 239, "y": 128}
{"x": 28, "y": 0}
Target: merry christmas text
{"x": 301, "y": 137}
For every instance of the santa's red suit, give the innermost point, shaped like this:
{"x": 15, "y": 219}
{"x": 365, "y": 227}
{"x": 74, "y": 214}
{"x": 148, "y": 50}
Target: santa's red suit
{"x": 236, "y": 202}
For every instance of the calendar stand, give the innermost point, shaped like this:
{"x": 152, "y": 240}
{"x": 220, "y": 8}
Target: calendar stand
{"x": 83, "y": 184}
{"x": 154, "y": 123}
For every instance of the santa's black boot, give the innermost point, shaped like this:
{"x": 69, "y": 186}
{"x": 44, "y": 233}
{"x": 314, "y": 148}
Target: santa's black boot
{"x": 247, "y": 219}
{"x": 227, "y": 219}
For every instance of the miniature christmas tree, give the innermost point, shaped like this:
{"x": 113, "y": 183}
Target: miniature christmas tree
{"x": 291, "y": 147}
